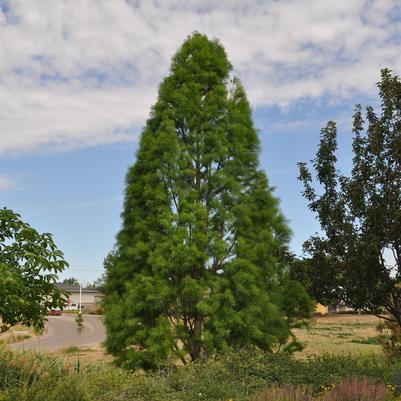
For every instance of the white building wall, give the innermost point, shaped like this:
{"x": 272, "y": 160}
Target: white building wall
{"x": 86, "y": 298}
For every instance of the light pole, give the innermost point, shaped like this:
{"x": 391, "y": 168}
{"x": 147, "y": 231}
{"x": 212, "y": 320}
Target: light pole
{"x": 80, "y": 297}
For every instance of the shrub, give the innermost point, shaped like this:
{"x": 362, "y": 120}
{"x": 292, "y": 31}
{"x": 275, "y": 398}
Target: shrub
{"x": 327, "y": 369}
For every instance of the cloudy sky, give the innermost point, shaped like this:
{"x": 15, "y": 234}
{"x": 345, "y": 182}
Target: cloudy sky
{"x": 78, "y": 77}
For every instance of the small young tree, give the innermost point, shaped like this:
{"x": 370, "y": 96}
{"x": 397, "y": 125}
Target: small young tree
{"x": 29, "y": 263}
{"x": 79, "y": 320}
{"x": 197, "y": 266}
{"x": 360, "y": 215}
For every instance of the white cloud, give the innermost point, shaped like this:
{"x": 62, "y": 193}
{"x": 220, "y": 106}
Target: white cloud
{"x": 84, "y": 72}
{"x": 7, "y": 183}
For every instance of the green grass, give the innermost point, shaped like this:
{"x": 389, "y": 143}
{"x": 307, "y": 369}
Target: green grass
{"x": 345, "y": 335}
{"x": 330, "y": 328}
{"x": 369, "y": 341}
{"x": 71, "y": 350}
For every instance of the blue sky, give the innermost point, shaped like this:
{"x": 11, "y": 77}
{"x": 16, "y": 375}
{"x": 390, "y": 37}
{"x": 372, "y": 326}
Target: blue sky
{"x": 77, "y": 80}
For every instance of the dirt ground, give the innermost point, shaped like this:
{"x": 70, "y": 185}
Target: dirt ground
{"x": 86, "y": 355}
{"x": 339, "y": 334}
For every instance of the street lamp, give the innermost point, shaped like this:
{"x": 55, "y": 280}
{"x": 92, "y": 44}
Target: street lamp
{"x": 80, "y": 296}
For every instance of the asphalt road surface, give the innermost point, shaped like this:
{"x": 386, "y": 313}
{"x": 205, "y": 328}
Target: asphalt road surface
{"x": 61, "y": 332}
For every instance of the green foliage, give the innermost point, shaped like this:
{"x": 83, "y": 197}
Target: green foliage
{"x": 98, "y": 284}
{"x": 26, "y": 369}
{"x": 238, "y": 375}
{"x": 360, "y": 215}
{"x": 71, "y": 281}
{"x": 73, "y": 349}
{"x": 29, "y": 263}
{"x": 390, "y": 339}
{"x": 319, "y": 276}
{"x": 369, "y": 341}
{"x": 79, "y": 320}
{"x": 198, "y": 264}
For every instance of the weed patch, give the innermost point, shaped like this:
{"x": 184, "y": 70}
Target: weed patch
{"x": 239, "y": 375}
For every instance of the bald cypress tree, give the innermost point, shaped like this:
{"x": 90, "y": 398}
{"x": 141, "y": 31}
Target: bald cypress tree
{"x": 197, "y": 265}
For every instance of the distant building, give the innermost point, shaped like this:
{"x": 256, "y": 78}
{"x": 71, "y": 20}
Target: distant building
{"x": 337, "y": 307}
{"x": 91, "y": 297}
{"x": 340, "y": 307}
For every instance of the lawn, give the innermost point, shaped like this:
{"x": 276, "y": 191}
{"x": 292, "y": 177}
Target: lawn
{"x": 339, "y": 334}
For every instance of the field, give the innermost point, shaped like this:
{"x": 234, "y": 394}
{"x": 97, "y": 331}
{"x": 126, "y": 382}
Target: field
{"x": 339, "y": 334}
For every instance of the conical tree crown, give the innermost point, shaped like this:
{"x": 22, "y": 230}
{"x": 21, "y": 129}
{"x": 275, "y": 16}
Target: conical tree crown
{"x": 197, "y": 262}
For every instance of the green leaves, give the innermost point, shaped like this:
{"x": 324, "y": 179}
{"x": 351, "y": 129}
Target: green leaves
{"x": 197, "y": 264}
{"x": 79, "y": 320}
{"x": 360, "y": 214}
{"x": 29, "y": 263}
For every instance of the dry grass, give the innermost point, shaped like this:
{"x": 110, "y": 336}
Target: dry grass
{"x": 338, "y": 334}
{"x": 16, "y": 334}
{"x": 286, "y": 393}
{"x": 353, "y": 389}
{"x": 86, "y": 355}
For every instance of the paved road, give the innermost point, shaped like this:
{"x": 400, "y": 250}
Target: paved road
{"x": 62, "y": 333}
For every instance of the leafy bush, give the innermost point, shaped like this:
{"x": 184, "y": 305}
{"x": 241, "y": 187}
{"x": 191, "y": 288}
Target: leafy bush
{"x": 327, "y": 369}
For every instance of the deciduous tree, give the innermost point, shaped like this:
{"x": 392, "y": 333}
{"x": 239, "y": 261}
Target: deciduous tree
{"x": 360, "y": 214}
{"x": 29, "y": 263}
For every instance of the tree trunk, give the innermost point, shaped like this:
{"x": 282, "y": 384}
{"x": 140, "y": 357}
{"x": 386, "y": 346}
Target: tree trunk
{"x": 197, "y": 342}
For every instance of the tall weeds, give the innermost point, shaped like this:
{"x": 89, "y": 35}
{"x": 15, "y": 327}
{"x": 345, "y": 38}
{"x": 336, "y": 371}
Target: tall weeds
{"x": 357, "y": 390}
{"x": 286, "y": 393}
{"x": 240, "y": 376}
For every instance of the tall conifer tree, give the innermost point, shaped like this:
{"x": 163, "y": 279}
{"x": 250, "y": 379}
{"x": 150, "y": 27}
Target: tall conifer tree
{"x": 197, "y": 265}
